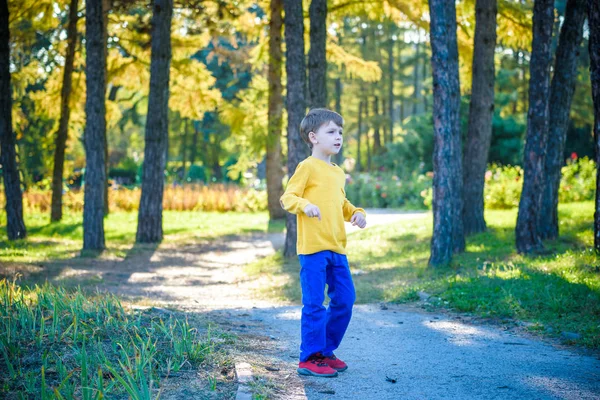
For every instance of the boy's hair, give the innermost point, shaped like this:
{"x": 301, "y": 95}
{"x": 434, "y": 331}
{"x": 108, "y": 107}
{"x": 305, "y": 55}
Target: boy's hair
{"x": 314, "y": 119}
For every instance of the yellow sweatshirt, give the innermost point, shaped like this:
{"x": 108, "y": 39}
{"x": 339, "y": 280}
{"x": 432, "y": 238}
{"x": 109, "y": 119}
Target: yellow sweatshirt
{"x": 322, "y": 184}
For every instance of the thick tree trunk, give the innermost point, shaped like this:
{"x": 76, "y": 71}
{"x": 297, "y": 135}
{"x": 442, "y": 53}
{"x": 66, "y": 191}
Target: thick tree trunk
{"x": 448, "y": 235}
{"x": 376, "y": 131}
{"x": 561, "y": 95}
{"x": 15, "y": 227}
{"x": 527, "y": 235}
{"x": 274, "y": 165}
{"x": 149, "y": 229}
{"x": 480, "y": 116}
{"x": 65, "y": 112}
{"x": 296, "y": 105}
{"x": 95, "y": 128}
{"x": 594, "y": 49}
{"x": 317, "y": 63}
{"x": 106, "y": 6}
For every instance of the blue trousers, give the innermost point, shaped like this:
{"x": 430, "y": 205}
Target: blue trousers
{"x": 322, "y": 329}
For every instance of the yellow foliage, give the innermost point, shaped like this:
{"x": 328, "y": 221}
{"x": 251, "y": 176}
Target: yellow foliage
{"x": 355, "y": 67}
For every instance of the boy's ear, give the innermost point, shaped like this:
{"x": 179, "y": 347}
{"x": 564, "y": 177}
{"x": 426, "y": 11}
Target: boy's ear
{"x": 312, "y": 137}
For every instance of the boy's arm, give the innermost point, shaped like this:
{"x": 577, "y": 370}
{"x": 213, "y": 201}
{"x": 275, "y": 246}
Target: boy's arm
{"x": 292, "y": 200}
{"x": 349, "y": 210}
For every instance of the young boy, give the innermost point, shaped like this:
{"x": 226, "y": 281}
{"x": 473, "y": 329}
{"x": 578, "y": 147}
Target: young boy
{"x": 316, "y": 194}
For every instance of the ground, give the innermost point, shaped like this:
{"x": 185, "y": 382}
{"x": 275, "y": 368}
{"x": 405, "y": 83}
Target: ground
{"x": 393, "y": 351}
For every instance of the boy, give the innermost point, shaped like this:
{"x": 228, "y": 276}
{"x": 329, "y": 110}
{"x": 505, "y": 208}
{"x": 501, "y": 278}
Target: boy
{"x": 316, "y": 194}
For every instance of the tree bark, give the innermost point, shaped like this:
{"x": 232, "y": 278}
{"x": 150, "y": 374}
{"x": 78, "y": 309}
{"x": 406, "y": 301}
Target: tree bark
{"x": 448, "y": 235}
{"x": 106, "y": 6}
{"x": 481, "y": 112}
{"x": 63, "y": 126}
{"x": 359, "y": 137}
{"x": 274, "y": 165}
{"x": 15, "y": 226}
{"x": 391, "y": 89}
{"x": 416, "y": 79}
{"x": 95, "y": 128}
{"x": 594, "y": 49}
{"x": 149, "y": 229}
{"x": 367, "y": 131}
{"x": 183, "y": 149}
{"x": 376, "y": 130}
{"x": 528, "y": 238}
{"x": 317, "y": 63}
{"x": 194, "y": 149}
{"x": 561, "y": 96}
{"x": 339, "y": 158}
{"x": 296, "y": 105}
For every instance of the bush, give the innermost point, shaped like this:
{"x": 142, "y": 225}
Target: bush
{"x": 386, "y": 190}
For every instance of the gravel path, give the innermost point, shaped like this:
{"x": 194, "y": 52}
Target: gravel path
{"x": 393, "y": 352}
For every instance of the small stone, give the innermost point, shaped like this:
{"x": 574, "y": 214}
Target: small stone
{"x": 423, "y": 296}
{"x": 571, "y": 335}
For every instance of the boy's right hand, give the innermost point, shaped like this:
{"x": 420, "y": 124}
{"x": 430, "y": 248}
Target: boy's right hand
{"x": 312, "y": 211}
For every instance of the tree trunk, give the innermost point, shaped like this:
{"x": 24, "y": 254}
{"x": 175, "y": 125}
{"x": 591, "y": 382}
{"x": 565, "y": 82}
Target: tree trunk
{"x": 65, "y": 111}
{"x": 416, "y": 79}
{"x": 15, "y": 226}
{"x": 216, "y": 155}
{"x": 594, "y": 49}
{"x": 149, "y": 229}
{"x": 561, "y": 95}
{"x": 95, "y": 128}
{"x": 194, "y": 149}
{"x": 317, "y": 63}
{"x": 339, "y": 158}
{"x": 106, "y": 6}
{"x": 367, "y": 131}
{"x": 391, "y": 90}
{"x": 527, "y": 235}
{"x": 448, "y": 235}
{"x": 481, "y": 112}
{"x": 296, "y": 106}
{"x": 274, "y": 169}
{"x": 376, "y": 132}
{"x": 183, "y": 149}
{"x": 358, "y": 137}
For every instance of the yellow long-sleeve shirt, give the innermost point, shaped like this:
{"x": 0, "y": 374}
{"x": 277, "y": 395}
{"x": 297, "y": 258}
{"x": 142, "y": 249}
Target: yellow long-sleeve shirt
{"x": 322, "y": 184}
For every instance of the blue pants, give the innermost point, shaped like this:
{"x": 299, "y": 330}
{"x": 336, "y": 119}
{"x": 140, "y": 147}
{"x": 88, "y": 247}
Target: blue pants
{"x": 322, "y": 330}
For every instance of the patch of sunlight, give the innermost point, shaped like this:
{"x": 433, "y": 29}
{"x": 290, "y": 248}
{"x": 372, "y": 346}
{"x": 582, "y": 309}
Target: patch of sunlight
{"x": 558, "y": 387}
{"x": 461, "y": 334}
{"x": 476, "y": 248}
{"x": 513, "y": 273}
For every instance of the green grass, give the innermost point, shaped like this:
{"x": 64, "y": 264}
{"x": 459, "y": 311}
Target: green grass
{"x": 556, "y": 292}
{"x": 64, "y": 239}
{"x": 65, "y": 344}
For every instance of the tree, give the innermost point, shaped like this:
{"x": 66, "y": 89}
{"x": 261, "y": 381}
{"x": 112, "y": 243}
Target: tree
{"x": 481, "y": 111}
{"x": 149, "y": 229}
{"x": 448, "y": 236}
{"x": 594, "y": 49}
{"x": 317, "y": 62}
{"x": 296, "y": 86}
{"x": 65, "y": 113}
{"x": 528, "y": 238}
{"x": 15, "y": 226}
{"x": 562, "y": 89}
{"x": 274, "y": 170}
{"x": 95, "y": 128}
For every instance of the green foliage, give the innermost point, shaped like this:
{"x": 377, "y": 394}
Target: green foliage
{"x": 385, "y": 190}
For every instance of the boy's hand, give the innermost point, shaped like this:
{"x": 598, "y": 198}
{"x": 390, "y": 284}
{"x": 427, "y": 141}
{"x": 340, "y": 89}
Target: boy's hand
{"x": 312, "y": 211}
{"x": 359, "y": 220}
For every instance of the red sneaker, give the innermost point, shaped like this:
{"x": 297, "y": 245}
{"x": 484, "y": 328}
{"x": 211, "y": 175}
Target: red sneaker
{"x": 316, "y": 366}
{"x": 335, "y": 363}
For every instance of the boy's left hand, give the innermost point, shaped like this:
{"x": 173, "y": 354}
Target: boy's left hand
{"x": 359, "y": 220}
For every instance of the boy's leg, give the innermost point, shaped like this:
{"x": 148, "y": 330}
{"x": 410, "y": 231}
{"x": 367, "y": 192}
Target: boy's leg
{"x": 312, "y": 280}
{"x": 342, "y": 295}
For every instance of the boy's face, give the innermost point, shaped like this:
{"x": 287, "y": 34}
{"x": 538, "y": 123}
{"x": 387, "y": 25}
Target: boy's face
{"x": 328, "y": 138}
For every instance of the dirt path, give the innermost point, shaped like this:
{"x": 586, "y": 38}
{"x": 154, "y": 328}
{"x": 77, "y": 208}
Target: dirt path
{"x": 394, "y": 352}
